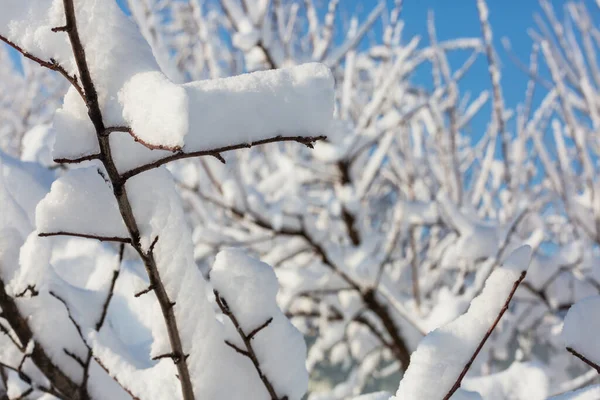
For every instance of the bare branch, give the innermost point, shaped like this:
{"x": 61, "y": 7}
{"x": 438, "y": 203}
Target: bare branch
{"x": 120, "y": 192}
{"x": 51, "y": 65}
{"x": 584, "y": 359}
{"x": 307, "y": 141}
{"x": 87, "y": 236}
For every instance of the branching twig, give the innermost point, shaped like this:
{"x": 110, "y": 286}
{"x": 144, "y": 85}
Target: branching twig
{"x": 247, "y": 339}
{"x": 119, "y": 190}
{"x": 65, "y": 387}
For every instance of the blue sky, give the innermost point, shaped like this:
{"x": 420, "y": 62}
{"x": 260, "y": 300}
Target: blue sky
{"x": 458, "y": 18}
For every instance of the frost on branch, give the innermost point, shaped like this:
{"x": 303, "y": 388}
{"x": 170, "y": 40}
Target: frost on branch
{"x": 445, "y": 354}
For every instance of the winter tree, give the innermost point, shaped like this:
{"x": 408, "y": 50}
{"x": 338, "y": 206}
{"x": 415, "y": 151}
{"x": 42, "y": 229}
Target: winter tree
{"x": 400, "y": 247}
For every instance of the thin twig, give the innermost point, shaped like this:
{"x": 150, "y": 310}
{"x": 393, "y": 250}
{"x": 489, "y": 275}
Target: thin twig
{"x": 464, "y": 371}
{"x": 584, "y": 359}
{"x": 87, "y": 236}
{"x": 307, "y": 141}
{"x": 51, "y": 65}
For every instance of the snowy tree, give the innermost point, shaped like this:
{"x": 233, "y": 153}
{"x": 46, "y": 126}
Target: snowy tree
{"x": 126, "y": 120}
{"x": 396, "y": 244}
{"x": 389, "y": 229}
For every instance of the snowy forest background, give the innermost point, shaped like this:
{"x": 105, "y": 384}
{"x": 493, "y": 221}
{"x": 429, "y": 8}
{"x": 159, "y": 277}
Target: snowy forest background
{"x": 344, "y": 223}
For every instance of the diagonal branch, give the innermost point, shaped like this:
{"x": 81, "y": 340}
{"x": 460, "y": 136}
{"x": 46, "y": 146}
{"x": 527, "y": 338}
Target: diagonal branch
{"x": 584, "y": 359}
{"x": 87, "y": 236}
{"x": 51, "y": 65}
{"x": 60, "y": 381}
{"x": 464, "y": 371}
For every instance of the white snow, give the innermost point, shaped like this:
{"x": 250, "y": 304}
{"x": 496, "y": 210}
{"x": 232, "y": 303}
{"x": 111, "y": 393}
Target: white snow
{"x": 443, "y": 353}
{"x": 81, "y": 202}
{"x": 580, "y": 327}
{"x": 242, "y": 109}
{"x": 586, "y": 393}
{"x": 250, "y": 287}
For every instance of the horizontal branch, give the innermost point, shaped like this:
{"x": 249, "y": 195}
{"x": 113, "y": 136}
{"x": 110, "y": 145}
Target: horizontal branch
{"x": 584, "y": 359}
{"x": 77, "y": 160}
{"x": 307, "y": 141}
{"x": 87, "y": 236}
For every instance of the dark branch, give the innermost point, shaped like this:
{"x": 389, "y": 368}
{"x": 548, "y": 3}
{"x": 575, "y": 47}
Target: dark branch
{"x": 87, "y": 236}
{"x": 120, "y": 193}
{"x": 51, "y": 65}
{"x": 77, "y": 160}
{"x": 31, "y": 289}
{"x": 308, "y": 141}
{"x": 584, "y": 359}
{"x": 63, "y": 384}
{"x": 111, "y": 290}
{"x": 147, "y": 290}
{"x": 260, "y": 328}
{"x": 176, "y": 357}
{"x": 233, "y": 346}
{"x": 464, "y": 371}
{"x": 247, "y": 339}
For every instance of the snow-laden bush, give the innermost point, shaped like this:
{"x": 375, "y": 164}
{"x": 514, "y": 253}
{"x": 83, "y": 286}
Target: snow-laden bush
{"x": 398, "y": 234}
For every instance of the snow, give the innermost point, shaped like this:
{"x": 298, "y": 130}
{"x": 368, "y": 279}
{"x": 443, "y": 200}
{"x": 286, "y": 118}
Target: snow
{"x": 196, "y": 116}
{"x": 81, "y": 202}
{"x": 587, "y": 393}
{"x": 443, "y": 353}
{"x": 250, "y": 288}
{"x": 580, "y": 327}
{"x": 295, "y": 101}
{"x": 156, "y": 109}
{"x": 519, "y": 381}
{"x": 22, "y": 185}
{"x": 111, "y": 41}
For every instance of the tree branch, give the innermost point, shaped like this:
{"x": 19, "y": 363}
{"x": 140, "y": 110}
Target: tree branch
{"x": 120, "y": 193}
{"x": 51, "y": 65}
{"x": 464, "y": 371}
{"x": 307, "y": 141}
{"x": 584, "y": 359}
{"x": 87, "y": 236}
{"x": 63, "y": 384}
{"x": 247, "y": 339}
